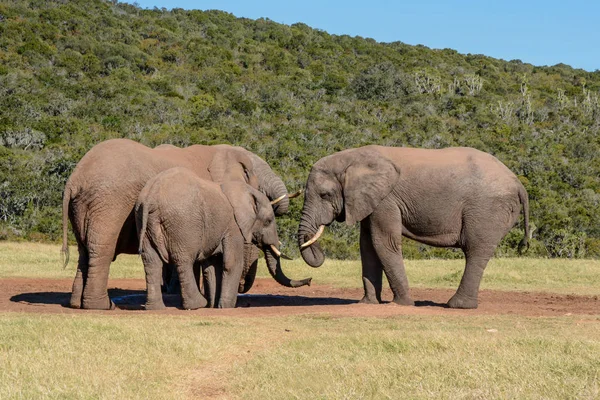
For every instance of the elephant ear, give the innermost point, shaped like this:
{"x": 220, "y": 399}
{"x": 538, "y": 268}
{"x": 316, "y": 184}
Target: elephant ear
{"x": 368, "y": 180}
{"x": 244, "y": 205}
{"x": 231, "y": 164}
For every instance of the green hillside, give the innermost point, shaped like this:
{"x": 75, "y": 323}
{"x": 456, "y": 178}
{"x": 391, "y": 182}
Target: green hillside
{"x": 74, "y": 73}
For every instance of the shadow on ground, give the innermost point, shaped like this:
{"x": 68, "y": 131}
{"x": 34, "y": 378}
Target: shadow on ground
{"x": 135, "y": 299}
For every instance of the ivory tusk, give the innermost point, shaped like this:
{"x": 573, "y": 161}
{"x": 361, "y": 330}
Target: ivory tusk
{"x": 314, "y": 238}
{"x": 295, "y": 194}
{"x": 277, "y": 200}
{"x": 275, "y": 250}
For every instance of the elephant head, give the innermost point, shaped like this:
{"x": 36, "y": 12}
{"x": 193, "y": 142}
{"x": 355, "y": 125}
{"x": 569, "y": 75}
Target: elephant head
{"x": 231, "y": 164}
{"x": 255, "y": 218}
{"x": 345, "y": 186}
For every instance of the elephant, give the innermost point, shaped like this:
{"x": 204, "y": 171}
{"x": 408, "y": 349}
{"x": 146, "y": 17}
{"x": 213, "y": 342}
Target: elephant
{"x": 100, "y": 195}
{"x": 455, "y": 197}
{"x": 182, "y": 219}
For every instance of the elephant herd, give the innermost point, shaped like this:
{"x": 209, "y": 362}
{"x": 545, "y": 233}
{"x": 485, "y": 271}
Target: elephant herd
{"x": 199, "y": 215}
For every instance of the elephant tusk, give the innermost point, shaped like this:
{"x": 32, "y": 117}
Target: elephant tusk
{"x": 280, "y": 254}
{"x": 277, "y": 200}
{"x": 275, "y": 250}
{"x": 314, "y": 238}
{"x": 295, "y": 194}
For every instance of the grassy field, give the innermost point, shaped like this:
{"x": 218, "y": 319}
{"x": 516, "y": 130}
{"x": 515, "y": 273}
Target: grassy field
{"x": 142, "y": 356}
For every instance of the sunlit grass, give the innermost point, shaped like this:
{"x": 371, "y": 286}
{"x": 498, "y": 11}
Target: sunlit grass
{"x": 302, "y": 357}
{"x": 530, "y": 274}
{"x": 429, "y": 357}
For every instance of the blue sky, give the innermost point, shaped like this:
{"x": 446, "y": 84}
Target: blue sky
{"x": 538, "y": 32}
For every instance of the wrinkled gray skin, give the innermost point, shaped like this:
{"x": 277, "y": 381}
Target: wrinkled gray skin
{"x": 455, "y": 197}
{"x": 182, "y": 219}
{"x": 100, "y": 195}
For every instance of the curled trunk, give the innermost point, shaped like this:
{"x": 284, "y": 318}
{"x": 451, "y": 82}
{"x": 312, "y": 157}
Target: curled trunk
{"x": 313, "y": 254}
{"x": 274, "y": 266}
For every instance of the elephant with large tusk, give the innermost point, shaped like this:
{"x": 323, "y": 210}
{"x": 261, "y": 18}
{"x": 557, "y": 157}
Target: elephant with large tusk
{"x": 454, "y": 197}
{"x": 182, "y": 219}
{"x": 100, "y": 195}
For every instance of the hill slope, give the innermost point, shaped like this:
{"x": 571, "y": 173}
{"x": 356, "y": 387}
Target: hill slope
{"x": 73, "y": 73}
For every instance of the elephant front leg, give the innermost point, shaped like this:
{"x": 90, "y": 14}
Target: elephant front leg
{"x": 233, "y": 265}
{"x": 385, "y": 226}
{"x": 153, "y": 268}
{"x": 372, "y": 270}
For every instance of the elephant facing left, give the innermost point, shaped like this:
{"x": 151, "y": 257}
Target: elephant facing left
{"x": 182, "y": 219}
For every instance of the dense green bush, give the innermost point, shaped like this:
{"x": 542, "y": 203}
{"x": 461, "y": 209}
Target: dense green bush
{"x": 75, "y": 73}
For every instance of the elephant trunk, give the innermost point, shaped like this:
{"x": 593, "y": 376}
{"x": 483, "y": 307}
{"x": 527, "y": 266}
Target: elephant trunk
{"x": 312, "y": 254}
{"x": 271, "y": 185}
{"x": 274, "y": 266}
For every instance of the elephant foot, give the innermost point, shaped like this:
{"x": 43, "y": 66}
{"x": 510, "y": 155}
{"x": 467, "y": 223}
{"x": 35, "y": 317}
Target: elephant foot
{"x": 403, "y": 301}
{"x": 75, "y": 302}
{"x": 223, "y": 303}
{"x": 195, "y": 303}
{"x": 155, "y": 306}
{"x": 369, "y": 300}
{"x": 461, "y": 301}
{"x": 101, "y": 304}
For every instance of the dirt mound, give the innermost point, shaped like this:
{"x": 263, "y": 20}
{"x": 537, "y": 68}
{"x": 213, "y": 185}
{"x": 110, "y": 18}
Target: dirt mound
{"x": 267, "y": 298}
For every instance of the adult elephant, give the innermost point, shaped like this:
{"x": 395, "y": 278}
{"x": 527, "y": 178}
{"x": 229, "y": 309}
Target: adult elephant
{"x": 454, "y": 197}
{"x": 101, "y": 192}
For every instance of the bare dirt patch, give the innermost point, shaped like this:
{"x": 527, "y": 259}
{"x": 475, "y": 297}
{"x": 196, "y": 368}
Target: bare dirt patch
{"x": 267, "y": 298}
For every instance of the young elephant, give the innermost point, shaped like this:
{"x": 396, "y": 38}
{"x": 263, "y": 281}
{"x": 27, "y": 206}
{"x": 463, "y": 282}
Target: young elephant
{"x": 182, "y": 219}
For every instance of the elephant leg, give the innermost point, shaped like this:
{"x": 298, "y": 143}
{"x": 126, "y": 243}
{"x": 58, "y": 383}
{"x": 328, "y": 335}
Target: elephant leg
{"x": 80, "y": 278}
{"x": 212, "y": 280}
{"x": 385, "y": 226}
{"x": 476, "y": 261}
{"x": 95, "y": 294}
{"x": 480, "y": 236}
{"x": 372, "y": 270}
{"x": 153, "y": 266}
{"x": 233, "y": 265}
{"x": 192, "y": 299}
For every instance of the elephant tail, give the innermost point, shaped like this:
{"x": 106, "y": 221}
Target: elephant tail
{"x": 524, "y": 198}
{"x": 65, "y": 224}
{"x": 142, "y": 225}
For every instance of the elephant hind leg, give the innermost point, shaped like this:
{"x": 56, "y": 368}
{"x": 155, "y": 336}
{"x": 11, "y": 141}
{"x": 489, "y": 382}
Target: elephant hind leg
{"x": 467, "y": 294}
{"x": 190, "y": 294}
{"x": 153, "y": 267}
{"x": 80, "y": 278}
{"x": 95, "y": 294}
{"x": 372, "y": 269}
{"x": 101, "y": 252}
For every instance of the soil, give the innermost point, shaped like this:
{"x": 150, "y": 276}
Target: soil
{"x": 267, "y": 298}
